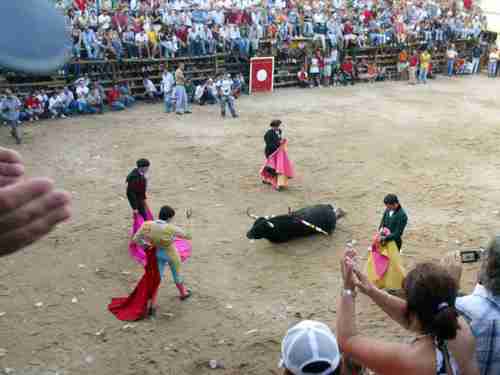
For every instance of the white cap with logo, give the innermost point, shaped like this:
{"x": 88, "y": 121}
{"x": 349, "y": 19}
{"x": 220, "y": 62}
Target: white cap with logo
{"x": 307, "y": 343}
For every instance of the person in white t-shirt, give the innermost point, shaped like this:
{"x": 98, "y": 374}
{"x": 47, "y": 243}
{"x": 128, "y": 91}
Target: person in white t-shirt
{"x": 167, "y": 88}
{"x": 82, "y": 92}
{"x": 56, "y": 106}
{"x": 104, "y": 20}
{"x": 451, "y": 56}
{"x": 224, "y": 89}
{"x": 151, "y": 90}
{"x": 141, "y": 41}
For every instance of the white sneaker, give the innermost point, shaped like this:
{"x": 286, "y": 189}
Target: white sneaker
{"x": 63, "y": 116}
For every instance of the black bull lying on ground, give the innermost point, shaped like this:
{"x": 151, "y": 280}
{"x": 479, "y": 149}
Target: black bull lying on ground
{"x": 321, "y": 218}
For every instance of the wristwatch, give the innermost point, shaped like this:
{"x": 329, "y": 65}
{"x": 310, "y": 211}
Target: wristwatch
{"x": 348, "y": 292}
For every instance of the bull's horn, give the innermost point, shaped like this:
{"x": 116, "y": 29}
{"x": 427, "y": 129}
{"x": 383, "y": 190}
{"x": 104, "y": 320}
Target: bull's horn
{"x": 251, "y": 215}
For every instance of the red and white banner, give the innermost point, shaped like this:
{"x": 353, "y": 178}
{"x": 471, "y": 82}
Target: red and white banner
{"x": 261, "y": 74}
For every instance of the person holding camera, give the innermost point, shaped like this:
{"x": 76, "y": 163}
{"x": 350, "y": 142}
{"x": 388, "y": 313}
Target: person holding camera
{"x": 481, "y": 308}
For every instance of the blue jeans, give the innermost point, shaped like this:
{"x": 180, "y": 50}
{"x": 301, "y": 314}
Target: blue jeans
{"x": 422, "y": 77}
{"x": 492, "y": 68}
{"x": 181, "y": 100}
{"x": 117, "y": 106}
{"x": 91, "y": 52}
{"x": 168, "y": 102}
{"x": 475, "y": 65}
{"x": 77, "y": 51}
{"x": 127, "y": 100}
{"x": 308, "y": 29}
{"x": 229, "y": 101}
{"x": 83, "y": 106}
{"x": 451, "y": 65}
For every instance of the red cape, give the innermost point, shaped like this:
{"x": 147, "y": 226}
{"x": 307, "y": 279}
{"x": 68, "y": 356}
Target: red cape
{"x": 134, "y": 307}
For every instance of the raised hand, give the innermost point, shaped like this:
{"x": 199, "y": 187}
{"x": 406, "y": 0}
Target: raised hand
{"x": 11, "y": 167}
{"x": 29, "y": 210}
{"x": 361, "y": 280}
{"x": 347, "y": 266}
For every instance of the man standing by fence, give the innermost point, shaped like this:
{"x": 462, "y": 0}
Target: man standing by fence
{"x": 181, "y": 100}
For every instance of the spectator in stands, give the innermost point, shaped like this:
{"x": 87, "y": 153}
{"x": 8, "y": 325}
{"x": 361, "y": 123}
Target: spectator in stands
{"x": 82, "y": 92}
{"x": 56, "y": 106}
{"x": 476, "y": 58}
{"x": 444, "y": 343}
{"x": 481, "y": 309}
{"x": 330, "y": 64}
{"x": 204, "y": 93}
{"x": 303, "y": 78}
{"x": 95, "y": 101}
{"x": 347, "y": 71}
{"x": 128, "y": 40}
{"x": 33, "y": 107}
{"x": 76, "y": 35}
{"x": 116, "y": 44}
{"x": 68, "y": 100}
{"x": 492, "y": 63}
{"x": 141, "y": 43}
{"x": 412, "y": 68}
{"x": 425, "y": 60}
{"x": 126, "y": 95}
{"x": 314, "y": 69}
{"x": 104, "y": 20}
{"x": 151, "y": 91}
{"x": 367, "y": 72}
{"x": 10, "y": 107}
{"x": 402, "y": 64}
{"x": 451, "y": 57}
{"x": 43, "y": 98}
{"x": 90, "y": 42}
{"x": 114, "y": 97}
{"x": 153, "y": 43}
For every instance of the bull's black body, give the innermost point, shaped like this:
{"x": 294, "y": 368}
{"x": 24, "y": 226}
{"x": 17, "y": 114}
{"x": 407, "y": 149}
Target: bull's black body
{"x": 283, "y": 228}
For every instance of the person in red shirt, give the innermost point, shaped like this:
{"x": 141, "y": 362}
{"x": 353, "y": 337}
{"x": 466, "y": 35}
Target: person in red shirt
{"x": 348, "y": 34}
{"x": 367, "y": 16}
{"x": 303, "y": 78}
{"x": 81, "y": 4}
{"x": 33, "y": 107}
{"x": 120, "y": 20}
{"x": 347, "y": 70}
{"x": 114, "y": 99}
{"x": 412, "y": 72}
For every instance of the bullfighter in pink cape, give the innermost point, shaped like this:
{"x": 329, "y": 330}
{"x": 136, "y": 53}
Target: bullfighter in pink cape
{"x": 277, "y": 168}
{"x": 164, "y": 244}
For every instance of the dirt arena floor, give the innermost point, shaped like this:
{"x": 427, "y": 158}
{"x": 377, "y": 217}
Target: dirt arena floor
{"x": 436, "y": 146}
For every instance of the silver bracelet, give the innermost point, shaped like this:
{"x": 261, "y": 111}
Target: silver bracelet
{"x": 348, "y": 292}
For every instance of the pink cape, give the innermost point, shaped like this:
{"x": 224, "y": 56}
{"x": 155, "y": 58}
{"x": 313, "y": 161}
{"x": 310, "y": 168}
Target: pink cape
{"x": 278, "y": 161}
{"x": 380, "y": 261}
{"x": 184, "y": 247}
